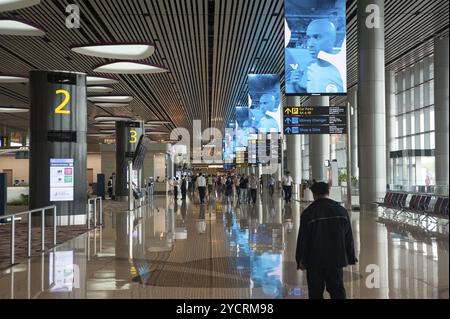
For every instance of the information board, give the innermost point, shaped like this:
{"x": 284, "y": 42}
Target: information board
{"x": 61, "y": 179}
{"x": 315, "y": 120}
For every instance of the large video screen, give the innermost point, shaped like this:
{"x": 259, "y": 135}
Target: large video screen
{"x": 316, "y": 53}
{"x": 229, "y": 148}
{"x": 264, "y": 103}
{"x": 242, "y": 126}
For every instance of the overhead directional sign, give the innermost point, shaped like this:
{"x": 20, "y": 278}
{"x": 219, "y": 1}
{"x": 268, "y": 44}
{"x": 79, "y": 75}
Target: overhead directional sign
{"x": 315, "y": 120}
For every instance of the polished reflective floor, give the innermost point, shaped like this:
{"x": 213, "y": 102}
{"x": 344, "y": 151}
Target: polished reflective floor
{"x": 176, "y": 249}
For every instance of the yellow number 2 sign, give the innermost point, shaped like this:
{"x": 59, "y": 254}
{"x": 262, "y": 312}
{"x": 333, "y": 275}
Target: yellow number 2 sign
{"x": 133, "y": 139}
{"x": 59, "y": 109}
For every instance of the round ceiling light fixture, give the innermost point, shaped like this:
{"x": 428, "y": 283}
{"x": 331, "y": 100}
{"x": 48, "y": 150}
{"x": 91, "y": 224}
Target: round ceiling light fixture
{"x": 99, "y": 89}
{"x": 155, "y": 133}
{"x": 11, "y": 78}
{"x": 8, "y": 5}
{"x": 111, "y": 132}
{"x": 11, "y": 109}
{"x": 99, "y": 134}
{"x": 119, "y": 51}
{"x": 158, "y": 122}
{"x": 113, "y": 119}
{"x": 10, "y": 26}
{"x": 111, "y": 99}
{"x": 96, "y": 80}
{"x": 112, "y": 105}
{"x": 129, "y": 68}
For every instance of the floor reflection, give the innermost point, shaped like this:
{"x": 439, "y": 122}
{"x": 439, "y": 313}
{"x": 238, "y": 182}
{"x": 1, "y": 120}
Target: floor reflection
{"x": 180, "y": 249}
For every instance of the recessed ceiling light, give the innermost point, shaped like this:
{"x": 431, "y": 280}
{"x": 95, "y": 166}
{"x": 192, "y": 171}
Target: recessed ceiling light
{"x": 111, "y": 98}
{"x": 112, "y": 119}
{"x": 111, "y": 105}
{"x": 105, "y": 125}
{"x": 7, "y": 5}
{"x": 158, "y": 122}
{"x": 95, "y": 80}
{"x": 155, "y": 133}
{"x": 16, "y": 27}
{"x": 7, "y": 78}
{"x": 129, "y": 68}
{"x": 100, "y": 134}
{"x": 99, "y": 89}
{"x": 8, "y": 109}
{"x": 120, "y": 51}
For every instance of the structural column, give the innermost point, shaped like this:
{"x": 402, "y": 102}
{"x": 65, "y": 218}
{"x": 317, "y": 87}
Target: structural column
{"x": 58, "y": 125}
{"x": 353, "y": 100}
{"x": 371, "y": 103}
{"x": 441, "y": 106}
{"x": 127, "y": 138}
{"x": 319, "y": 146}
{"x": 391, "y": 108}
{"x": 294, "y": 150}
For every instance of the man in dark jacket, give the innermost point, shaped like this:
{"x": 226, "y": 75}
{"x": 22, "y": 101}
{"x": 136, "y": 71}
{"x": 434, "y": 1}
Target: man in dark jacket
{"x": 325, "y": 244}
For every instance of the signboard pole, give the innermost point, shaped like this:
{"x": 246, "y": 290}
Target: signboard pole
{"x": 349, "y": 162}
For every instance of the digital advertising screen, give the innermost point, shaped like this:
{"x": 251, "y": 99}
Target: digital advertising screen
{"x": 264, "y": 103}
{"x": 61, "y": 179}
{"x": 229, "y": 148}
{"x": 316, "y": 53}
{"x": 242, "y": 126}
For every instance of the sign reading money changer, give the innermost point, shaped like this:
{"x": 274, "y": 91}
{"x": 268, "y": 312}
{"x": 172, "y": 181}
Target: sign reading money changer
{"x": 315, "y": 120}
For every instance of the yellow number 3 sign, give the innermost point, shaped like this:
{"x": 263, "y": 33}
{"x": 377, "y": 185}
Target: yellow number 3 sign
{"x": 59, "y": 109}
{"x": 133, "y": 139}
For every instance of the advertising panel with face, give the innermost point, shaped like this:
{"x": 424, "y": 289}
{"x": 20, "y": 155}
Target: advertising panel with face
{"x": 264, "y": 101}
{"x": 315, "y": 39}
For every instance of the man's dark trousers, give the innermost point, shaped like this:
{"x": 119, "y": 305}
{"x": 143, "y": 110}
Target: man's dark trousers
{"x": 331, "y": 279}
{"x": 202, "y": 192}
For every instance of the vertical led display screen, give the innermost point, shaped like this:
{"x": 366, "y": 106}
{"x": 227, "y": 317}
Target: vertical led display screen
{"x": 264, "y": 103}
{"x": 316, "y": 53}
{"x": 229, "y": 148}
{"x": 243, "y": 128}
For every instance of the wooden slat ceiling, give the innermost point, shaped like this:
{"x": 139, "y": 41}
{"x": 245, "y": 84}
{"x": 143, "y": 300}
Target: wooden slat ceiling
{"x": 209, "y": 47}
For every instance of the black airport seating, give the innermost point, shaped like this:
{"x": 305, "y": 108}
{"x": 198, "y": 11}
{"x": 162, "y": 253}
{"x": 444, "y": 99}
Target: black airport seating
{"x": 426, "y": 204}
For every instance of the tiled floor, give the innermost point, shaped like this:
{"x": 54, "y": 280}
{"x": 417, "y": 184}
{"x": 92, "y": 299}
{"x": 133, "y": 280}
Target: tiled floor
{"x": 183, "y": 250}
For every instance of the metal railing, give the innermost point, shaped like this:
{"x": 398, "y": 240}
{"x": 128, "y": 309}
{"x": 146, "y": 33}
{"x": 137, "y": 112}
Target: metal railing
{"x": 29, "y": 213}
{"x": 99, "y": 210}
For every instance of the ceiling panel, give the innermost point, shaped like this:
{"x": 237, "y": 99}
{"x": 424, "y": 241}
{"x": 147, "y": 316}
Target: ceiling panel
{"x": 208, "y": 46}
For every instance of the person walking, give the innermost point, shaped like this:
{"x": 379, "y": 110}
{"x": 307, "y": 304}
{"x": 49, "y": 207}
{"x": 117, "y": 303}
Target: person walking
{"x": 243, "y": 189}
{"x": 325, "y": 244}
{"x": 253, "y": 188}
{"x": 201, "y": 185}
{"x": 229, "y": 189}
{"x": 176, "y": 184}
{"x": 183, "y": 188}
{"x": 288, "y": 182}
{"x": 110, "y": 187}
{"x": 271, "y": 185}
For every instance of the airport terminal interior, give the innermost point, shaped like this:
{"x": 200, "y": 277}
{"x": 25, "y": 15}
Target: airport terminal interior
{"x": 167, "y": 149}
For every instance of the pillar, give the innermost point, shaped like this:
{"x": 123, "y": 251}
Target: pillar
{"x": 441, "y": 106}
{"x": 353, "y": 99}
{"x": 371, "y": 104}
{"x": 294, "y": 150}
{"x": 391, "y": 108}
{"x": 58, "y": 126}
{"x": 319, "y": 145}
{"x": 127, "y": 138}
